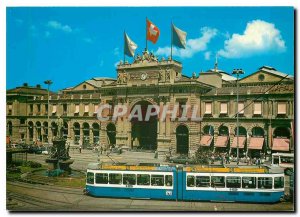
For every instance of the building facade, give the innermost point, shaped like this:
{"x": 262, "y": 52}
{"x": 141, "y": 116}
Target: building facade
{"x": 266, "y": 110}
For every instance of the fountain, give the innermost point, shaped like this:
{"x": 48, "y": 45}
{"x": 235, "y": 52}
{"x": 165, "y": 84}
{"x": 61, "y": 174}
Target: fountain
{"x": 59, "y": 161}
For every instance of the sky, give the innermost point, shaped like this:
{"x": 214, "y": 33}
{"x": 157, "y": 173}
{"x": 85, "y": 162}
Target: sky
{"x": 71, "y": 44}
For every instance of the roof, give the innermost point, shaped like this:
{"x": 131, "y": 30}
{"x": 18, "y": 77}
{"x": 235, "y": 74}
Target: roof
{"x": 249, "y": 90}
{"x": 28, "y": 90}
{"x": 275, "y": 72}
{"x": 98, "y": 82}
{"x": 225, "y": 75}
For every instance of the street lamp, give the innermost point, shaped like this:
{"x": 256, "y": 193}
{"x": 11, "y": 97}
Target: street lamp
{"x": 237, "y": 72}
{"x": 48, "y": 82}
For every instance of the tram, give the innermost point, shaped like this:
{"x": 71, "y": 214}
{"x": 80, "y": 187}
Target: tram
{"x": 187, "y": 183}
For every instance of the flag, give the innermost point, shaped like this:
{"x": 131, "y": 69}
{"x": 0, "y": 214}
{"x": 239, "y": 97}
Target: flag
{"x": 129, "y": 46}
{"x": 152, "y": 32}
{"x": 179, "y": 37}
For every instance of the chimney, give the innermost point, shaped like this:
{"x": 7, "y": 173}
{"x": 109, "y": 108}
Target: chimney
{"x": 25, "y": 84}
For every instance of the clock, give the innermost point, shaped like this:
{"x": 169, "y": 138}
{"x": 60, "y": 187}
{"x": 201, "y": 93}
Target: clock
{"x": 144, "y": 76}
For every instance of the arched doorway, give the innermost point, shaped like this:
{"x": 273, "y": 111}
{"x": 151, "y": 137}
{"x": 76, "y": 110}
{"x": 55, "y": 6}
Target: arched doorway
{"x": 9, "y": 128}
{"x": 38, "y": 131}
{"x": 30, "y": 130}
{"x": 54, "y": 129}
{"x": 76, "y": 129}
{"x": 282, "y": 132}
{"x": 45, "y": 133}
{"x": 257, "y": 143}
{"x": 96, "y": 131}
{"x": 86, "y": 134}
{"x": 144, "y": 133}
{"x": 182, "y": 139}
{"x": 65, "y": 130}
{"x": 111, "y": 134}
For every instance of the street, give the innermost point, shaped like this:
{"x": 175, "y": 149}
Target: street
{"x": 28, "y": 197}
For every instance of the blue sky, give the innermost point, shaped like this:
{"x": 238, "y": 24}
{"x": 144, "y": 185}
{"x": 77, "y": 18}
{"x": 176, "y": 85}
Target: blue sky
{"x": 69, "y": 45}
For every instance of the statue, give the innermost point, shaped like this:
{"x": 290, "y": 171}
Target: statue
{"x": 60, "y": 124}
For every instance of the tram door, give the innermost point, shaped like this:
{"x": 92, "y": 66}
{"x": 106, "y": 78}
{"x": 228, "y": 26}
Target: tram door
{"x": 180, "y": 184}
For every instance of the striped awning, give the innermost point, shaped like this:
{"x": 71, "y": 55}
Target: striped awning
{"x": 221, "y": 141}
{"x": 281, "y": 144}
{"x": 206, "y": 140}
{"x": 256, "y": 143}
{"x": 242, "y": 140}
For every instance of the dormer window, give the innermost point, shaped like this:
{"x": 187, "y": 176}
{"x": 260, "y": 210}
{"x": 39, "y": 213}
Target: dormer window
{"x": 84, "y": 86}
{"x": 261, "y": 77}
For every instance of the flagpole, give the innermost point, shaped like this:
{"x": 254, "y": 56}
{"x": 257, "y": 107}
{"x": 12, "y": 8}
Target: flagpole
{"x": 171, "y": 40}
{"x": 124, "y": 47}
{"x": 146, "y": 35}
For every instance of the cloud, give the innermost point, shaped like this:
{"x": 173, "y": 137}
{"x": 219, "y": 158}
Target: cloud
{"x": 58, "y": 26}
{"x": 193, "y": 46}
{"x": 19, "y": 21}
{"x": 207, "y": 55}
{"x": 101, "y": 63}
{"x": 259, "y": 37}
{"x": 47, "y": 34}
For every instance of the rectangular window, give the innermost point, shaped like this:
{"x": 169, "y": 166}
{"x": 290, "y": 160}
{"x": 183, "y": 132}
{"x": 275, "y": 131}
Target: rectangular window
{"x": 96, "y": 106}
{"x": 218, "y": 181}
{"x": 65, "y": 108}
{"x": 208, "y": 108}
{"x": 180, "y": 108}
{"x": 224, "y": 108}
{"x": 143, "y": 179}
{"x": 202, "y": 181}
{"x": 248, "y": 182}
{"x": 46, "y": 108}
{"x": 233, "y": 182}
{"x": 10, "y": 109}
{"x": 53, "y": 109}
{"x": 90, "y": 178}
{"x": 241, "y": 107}
{"x": 257, "y": 108}
{"x": 38, "y": 106}
{"x": 76, "y": 109}
{"x": 86, "y": 108}
{"x": 30, "y": 108}
{"x": 115, "y": 178}
{"x": 101, "y": 178}
{"x": 129, "y": 179}
{"x": 157, "y": 180}
{"x": 168, "y": 180}
{"x": 265, "y": 182}
{"x": 279, "y": 182}
{"x": 281, "y": 108}
{"x": 190, "y": 181}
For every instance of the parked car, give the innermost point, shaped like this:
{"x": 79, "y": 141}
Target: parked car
{"x": 182, "y": 159}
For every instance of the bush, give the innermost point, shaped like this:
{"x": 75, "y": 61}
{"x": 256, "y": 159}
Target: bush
{"x": 33, "y": 164}
{"x": 202, "y": 156}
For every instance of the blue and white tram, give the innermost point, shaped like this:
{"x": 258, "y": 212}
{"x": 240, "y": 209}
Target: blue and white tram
{"x": 132, "y": 182}
{"x": 187, "y": 183}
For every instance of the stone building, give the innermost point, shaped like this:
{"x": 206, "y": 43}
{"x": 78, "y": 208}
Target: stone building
{"x": 266, "y": 123}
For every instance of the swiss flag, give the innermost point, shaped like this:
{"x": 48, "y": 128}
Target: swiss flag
{"x": 152, "y": 32}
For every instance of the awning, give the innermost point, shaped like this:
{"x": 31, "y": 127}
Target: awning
{"x": 281, "y": 144}
{"x": 242, "y": 140}
{"x": 221, "y": 141}
{"x": 256, "y": 143}
{"x": 206, "y": 140}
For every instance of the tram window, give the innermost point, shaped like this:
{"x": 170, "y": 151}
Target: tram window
{"x": 90, "y": 178}
{"x": 115, "y": 178}
{"x": 101, "y": 178}
{"x": 157, "y": 180}
{"x": 265, "y": 182}
{"x": 218, "y": 181}
{"x": 190, "y": 181}
{"x": 249, "y": 182}
{"x": 168, "y": 180}
{"x": 202, "y": 181}
{"x": 278, "y": 182}
{"x": 233, "y": 182}
{"x": 129, "y": 179}
{"x": 143, "y": 179}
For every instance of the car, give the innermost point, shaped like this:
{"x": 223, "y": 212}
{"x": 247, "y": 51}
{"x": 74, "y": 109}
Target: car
{"x": 182, "y": 159}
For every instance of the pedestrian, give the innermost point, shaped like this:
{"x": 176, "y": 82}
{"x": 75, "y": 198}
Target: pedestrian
{"x": 101, "y": 150}
{"x": 80, "y": 149}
